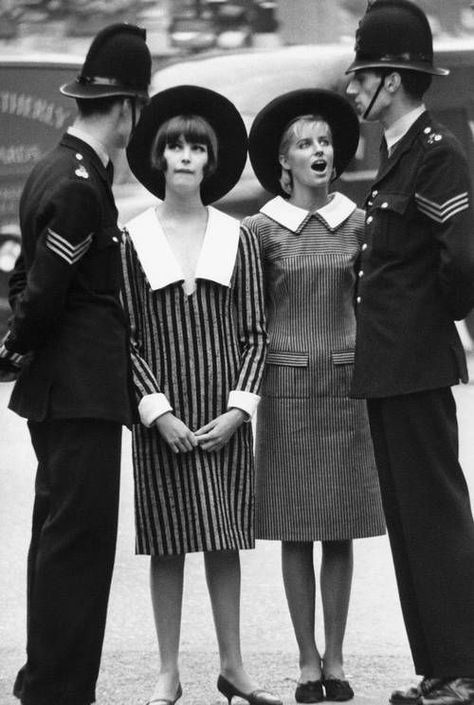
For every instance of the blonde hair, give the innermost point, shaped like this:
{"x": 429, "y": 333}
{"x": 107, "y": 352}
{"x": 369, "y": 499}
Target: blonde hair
{"x": 291, "y": 131}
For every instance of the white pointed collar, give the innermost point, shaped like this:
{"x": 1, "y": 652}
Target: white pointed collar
{"x": 334, "y": 213}
{"x": 218, "y": 253}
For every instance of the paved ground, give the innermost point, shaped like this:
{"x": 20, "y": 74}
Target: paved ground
{"x": 377, "y": 656}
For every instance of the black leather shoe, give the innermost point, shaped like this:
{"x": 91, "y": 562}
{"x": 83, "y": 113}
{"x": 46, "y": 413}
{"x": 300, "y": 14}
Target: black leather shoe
{"x": 413, "y": 695}
{"x": 456, "y": 691}
{"x": 309, "y": 692}
{"x": 337, "y": 690}
{"x": 256, "y": 697}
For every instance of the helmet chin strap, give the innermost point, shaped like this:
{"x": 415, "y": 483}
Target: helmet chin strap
{"x": 374, "y": 97}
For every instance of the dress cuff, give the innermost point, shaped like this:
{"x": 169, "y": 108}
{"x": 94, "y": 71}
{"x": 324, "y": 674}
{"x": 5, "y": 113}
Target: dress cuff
{"x": 247, "y": 401}
{"x": 152, "y": 406}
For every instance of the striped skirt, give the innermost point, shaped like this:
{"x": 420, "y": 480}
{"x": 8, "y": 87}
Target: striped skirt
{"x": 315, "y": 471}
{"x": 194, "y": 501}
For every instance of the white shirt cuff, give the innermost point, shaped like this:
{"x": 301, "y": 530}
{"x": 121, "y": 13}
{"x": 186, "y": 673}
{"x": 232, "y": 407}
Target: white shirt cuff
{"x": 152, "y": 406}
{"x": 247, "y": 401}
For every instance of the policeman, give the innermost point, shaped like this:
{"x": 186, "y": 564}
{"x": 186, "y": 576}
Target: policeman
{"x": 68, "y": 339}
{"x": 416, "y": 278}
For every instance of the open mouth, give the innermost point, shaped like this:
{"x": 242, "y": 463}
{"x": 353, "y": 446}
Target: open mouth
{"x": 319, "y": 165}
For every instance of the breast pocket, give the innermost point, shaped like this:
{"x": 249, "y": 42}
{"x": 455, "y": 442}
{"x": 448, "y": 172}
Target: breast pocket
{"x": 102, "y": 267}
{"x": 387, "y": 221}
{"x": 286, "y": 374}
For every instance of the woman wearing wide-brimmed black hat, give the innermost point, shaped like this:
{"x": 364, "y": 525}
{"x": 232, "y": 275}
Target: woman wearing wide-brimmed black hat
{"x": 316, "y": 477}
{"x": 193, "y": 291}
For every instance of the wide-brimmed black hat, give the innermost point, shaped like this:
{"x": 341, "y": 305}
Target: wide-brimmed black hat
{"x": 395, "y": 34}
{"x": 223, "y": 117}
{"x": 270, "y": 123}
{"x": 118, "y": 63}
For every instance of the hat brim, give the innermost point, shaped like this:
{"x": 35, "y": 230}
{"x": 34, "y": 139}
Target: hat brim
{"x": 223, "y": 117}
{"x": 362, "y": 64}
{"x": 270, "y": 123}
{"x": 75, "y": 89}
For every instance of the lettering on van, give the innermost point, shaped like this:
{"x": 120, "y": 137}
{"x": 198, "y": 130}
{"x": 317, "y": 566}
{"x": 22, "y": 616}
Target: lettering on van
{"x": 32, "y": 108}
{"x": 20, "y": 154}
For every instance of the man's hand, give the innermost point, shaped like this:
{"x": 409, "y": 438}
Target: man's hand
{"x": 214, "y": 435}
{"x": 177, "y": 435}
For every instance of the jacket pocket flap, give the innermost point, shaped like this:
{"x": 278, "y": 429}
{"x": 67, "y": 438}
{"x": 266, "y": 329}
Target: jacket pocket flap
{"x": 343, "y": 357}
{"x": 396, "y": 202}
{"x": 288, "y": 358}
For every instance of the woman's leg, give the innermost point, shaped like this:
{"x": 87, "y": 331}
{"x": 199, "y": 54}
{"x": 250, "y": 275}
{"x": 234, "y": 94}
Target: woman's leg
{"x": 223, "y": 581}
{"x": 300, "y": 589}
{"x": 166, "y": 583}
{"x": 336, "y": 581}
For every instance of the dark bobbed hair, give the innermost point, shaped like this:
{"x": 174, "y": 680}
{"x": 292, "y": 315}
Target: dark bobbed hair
{"x": 192, "y": 128}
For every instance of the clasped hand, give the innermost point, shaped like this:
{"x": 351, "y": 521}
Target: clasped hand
{"x": 211, "y": 437}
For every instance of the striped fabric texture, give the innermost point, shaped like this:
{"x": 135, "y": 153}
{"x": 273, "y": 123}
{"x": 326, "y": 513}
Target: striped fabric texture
{"x": 195, "y": 349}
{"x": 315, "y": 470}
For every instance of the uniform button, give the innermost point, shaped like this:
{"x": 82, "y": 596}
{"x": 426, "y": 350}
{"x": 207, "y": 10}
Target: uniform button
{"x": 384, "y": 205}
{"x": 369, "y": 219}
{"x": 370, "y": 203}
{"x": 359, "y": 299}
{"x": 364, "y": 247}
{"x": 374, "y": 193}
{"x": 361, "y": 273}
{"x": 79, "y": 156}
{"x": 427, "y": 130}
{"x": 115, "y": 239}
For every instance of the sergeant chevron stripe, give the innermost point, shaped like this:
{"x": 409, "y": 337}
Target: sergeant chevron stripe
{"x": 62, "y": 247}
{"x": 444, "y": 211}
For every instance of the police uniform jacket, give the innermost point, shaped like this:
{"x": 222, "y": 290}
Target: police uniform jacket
{"x": 65, "y": 292}
{"x": 417, "y": 267}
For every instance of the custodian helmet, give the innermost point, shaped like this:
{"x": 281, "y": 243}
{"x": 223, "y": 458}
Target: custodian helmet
{"x": 118, "y": 63}
{"x": 394, "y": 34}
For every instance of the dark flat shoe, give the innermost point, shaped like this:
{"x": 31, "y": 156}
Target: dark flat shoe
{"x": 338, "y": 690}
{"x": 309, "y": 692}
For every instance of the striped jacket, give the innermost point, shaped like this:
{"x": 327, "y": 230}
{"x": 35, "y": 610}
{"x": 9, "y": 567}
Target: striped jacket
{"x": 417, "y": 267}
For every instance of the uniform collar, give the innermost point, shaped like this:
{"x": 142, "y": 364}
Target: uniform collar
{"x": 400, "y": 127}
{"x": 218, "y": 253}
{"x": 94, "y": 144}
{"x": 333, "y": 214}
{"x": 404, "y": 144}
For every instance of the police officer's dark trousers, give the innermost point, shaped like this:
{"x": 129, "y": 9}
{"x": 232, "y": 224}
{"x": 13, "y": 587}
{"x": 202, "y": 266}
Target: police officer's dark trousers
{"x": 429, "y": 520}
{"x": 70, "y": 559}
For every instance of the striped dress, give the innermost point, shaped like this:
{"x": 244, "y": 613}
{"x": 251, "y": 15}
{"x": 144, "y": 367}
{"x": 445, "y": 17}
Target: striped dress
{"x": 196, "y": 350}
{"x": 315, "y": 471}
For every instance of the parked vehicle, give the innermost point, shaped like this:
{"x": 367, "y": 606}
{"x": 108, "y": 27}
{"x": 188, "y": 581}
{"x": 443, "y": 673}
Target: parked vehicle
{"x": 33, "y": 115}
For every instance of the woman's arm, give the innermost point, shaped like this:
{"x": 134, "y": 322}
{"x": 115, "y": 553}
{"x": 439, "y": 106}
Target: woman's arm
{"x": 248, "y": 296}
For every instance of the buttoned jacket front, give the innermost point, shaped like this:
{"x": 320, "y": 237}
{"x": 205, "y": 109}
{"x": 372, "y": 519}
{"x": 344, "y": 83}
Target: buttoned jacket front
{"x": 417, "y": 267}
{"x": 64, "y": 292}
